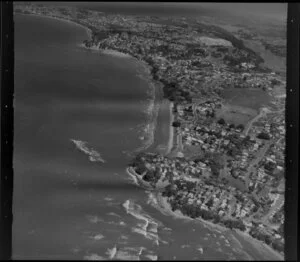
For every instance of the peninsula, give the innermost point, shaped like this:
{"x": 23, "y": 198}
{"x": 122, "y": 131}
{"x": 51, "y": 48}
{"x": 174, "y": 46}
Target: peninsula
{"x": 225, "y": 162}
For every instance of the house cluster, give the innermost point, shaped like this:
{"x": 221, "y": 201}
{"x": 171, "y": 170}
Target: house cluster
{"x": 170, "y": 168}
{"x": 185, "y": 67}
{"x": 226, "y": 201}
{"x": 258, "y": 180}
{"x": 273, "y": 161}
{"x": 218, "y": 137}
{"x": 272, "y": 126}
{"x": 277, "y": 216}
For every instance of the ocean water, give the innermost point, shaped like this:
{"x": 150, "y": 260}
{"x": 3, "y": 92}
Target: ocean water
{"x": 244, "y": 12}
{"x": 78, "y": 117}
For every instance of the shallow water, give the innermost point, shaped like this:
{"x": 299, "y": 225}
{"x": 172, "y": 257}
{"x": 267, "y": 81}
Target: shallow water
{"x": 68, "y": 203}
{"x": 272, "y": 61}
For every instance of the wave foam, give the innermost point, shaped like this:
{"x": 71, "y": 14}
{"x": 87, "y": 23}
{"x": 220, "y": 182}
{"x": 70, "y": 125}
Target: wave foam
{"x": 149, "y": 229}
{"x": 93, "y": 257}
{"x": 133, "y": 178}
{"x": 200, "y": 249}
{"x": 94, "y": 156}
{"x": 123, "y": 237}
{"x": 97, "y": 237}
{"x": 94, "y": 219}
{"x": 114, "y": 214}
{"x": 111, "y": 252}
{"x": 125, "y": 253}
{"x": 152, "y": 257}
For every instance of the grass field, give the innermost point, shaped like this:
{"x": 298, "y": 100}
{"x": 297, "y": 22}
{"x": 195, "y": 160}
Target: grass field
{"x": 236, "y": 114}
{"x": 250, "y": 98}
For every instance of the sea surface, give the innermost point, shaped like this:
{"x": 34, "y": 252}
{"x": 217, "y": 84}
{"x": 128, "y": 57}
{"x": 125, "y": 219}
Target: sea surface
{"x": 79, "y": 116}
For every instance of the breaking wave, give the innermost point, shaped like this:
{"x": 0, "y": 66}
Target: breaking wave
{"x": 130, "y": 253}
{"x": 94, "y": 219}
{"x": 94, "y": 156}
{"x": 97, "y": 237}
{"x": 111, "y": 252}
{"x": 93, "y": 257}
{"x": 149, "y": 227}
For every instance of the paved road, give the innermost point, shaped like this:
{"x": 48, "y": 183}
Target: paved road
{"x": 249, "y": 125}
{"x": 263, "y": 111}
{"x": 254, "y": 162}
{"x": 277, "y": 205}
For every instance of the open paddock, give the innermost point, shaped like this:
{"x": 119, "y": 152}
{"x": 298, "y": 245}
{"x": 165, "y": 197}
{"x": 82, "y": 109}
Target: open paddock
{"x": 245, "y": 97}
{"x": 236, "y": 114}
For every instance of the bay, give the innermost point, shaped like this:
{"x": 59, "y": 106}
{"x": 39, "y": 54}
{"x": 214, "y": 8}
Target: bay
{"x": 78, "y": 118}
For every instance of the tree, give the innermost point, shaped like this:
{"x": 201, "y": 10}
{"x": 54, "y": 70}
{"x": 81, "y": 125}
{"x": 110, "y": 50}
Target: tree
{"x": 232, "y": 126}
{"x": 221, "y": 121}
{"x": 176, "y": 124}
{"x": 278, "y": 246}
{"x": 263, "y": 135}
{"x": 216, "y": 219}
{"x": 210, "y": 203}
{"x": 149, "y": 176}
{"x": 140, "y": 168}
{"x": 240, "y": 126}
{"x": 240, "y": 225}
{"x": 215, "y": 170}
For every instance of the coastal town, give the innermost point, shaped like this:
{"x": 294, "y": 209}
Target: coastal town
{"x": 226, "y": 162}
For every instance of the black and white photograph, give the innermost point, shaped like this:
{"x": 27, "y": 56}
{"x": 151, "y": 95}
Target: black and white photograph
{"x": 149, "y": 131}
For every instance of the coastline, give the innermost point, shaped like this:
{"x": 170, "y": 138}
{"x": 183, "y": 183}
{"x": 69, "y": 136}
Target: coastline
{"x": 88, "y": 30}
{"x": 171, "y": 130}
{"x": 137, "y": 179}
{"x": 151, "y": 130}
{"x": 163, "y": 204}
{"x": 156, "y": 93}
{"x": 258, "y": 244}
{"x": 110, "y": 52}
{"x": 165, "y": 208}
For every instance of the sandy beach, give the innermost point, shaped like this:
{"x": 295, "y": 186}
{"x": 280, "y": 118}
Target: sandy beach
{"x": 156, "y": 93}
{"x": 162, "y": 203}
{"x": 154, "y": 102}
{"x": 171, "y": 135}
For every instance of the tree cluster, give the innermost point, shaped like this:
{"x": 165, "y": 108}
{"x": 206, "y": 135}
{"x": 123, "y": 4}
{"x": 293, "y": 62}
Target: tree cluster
{"x": 263, "y": 135}
{"x": 238, "y": 224}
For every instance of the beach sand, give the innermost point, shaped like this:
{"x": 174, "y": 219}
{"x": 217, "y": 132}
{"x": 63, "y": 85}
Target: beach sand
{"x": 152, "y": 111}
{"x": 162, "y": 203}
{"x": 171, "y": 134}
{"x": 156, "y": 88}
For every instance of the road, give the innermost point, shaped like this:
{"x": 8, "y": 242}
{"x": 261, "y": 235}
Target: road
{"x": 250, "y": 123}
{"x": 260, "y": 154}
{"x": 263, "y": 111}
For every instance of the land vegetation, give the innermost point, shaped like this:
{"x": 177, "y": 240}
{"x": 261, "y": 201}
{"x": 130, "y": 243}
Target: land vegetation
{"x": 227, "y": 160}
